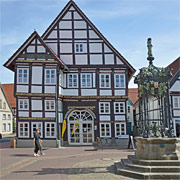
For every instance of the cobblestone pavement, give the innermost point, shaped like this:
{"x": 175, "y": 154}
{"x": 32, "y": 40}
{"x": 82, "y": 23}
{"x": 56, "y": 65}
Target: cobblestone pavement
{"x": 70, "y": 163}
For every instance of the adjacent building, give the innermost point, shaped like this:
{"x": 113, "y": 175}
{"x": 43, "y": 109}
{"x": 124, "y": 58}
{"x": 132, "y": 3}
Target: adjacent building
{"x": 9, "y": 92}
{"x": 175, "y": 94}
{"x": 131, "y": 110}
{"x": 71, "y": 73}
{"x": 6, "y": 114}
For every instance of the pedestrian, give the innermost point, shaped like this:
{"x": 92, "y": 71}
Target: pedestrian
{"x": 36, "y": 142}
{"x": 40, "y": 146}
{"x": 166, "y": 132}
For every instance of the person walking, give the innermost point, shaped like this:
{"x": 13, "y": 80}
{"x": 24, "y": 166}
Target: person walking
{"x": 36, "y": 142}
{"x": 40, "y": 146}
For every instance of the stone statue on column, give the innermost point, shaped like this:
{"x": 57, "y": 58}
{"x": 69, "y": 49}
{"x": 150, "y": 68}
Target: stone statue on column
{"x": 150, "y": 56}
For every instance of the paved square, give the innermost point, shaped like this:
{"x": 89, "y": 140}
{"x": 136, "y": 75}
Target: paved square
{"x": 70, "y": 163}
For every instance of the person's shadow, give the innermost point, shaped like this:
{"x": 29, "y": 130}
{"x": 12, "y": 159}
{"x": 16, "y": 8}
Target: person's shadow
{"x": 22, "y": 155}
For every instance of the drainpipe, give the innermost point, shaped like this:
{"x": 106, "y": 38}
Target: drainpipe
{"x": 58, "y": 125}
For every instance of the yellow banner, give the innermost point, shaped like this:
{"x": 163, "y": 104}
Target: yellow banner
{"x": 75, "y": 127}
{"x": 63, "y": 127}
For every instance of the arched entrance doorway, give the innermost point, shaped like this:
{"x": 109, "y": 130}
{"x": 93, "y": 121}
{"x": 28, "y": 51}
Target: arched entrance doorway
{"x": 80, "y": 128}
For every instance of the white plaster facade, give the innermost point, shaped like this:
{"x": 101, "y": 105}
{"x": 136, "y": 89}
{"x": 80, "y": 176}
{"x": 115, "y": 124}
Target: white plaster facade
{"x": 6, "y": 115}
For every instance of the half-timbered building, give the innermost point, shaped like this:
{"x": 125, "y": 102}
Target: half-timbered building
{"x": 175, "y": 94}
{"x": 71, "y": 73}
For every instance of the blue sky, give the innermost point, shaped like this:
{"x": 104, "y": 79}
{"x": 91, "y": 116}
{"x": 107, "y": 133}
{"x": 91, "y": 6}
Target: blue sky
{"x": 125, "y": 23}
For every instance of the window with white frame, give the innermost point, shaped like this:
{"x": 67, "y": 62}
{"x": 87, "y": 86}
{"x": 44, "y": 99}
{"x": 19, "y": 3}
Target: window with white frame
{"x": 34, "y": 126}
{"x": 23, "y": 129}
{"x": 104, "y": 107}
{"x": 4, "y": 127}
{"x": 79, "y": 48}
{"x": 105, "y": 129}
{"x": 49, "y": 105}
{"x": 22, "y": 75}
{"x": 176, "y": 102}
{"x": 120, "y": 129}
{"x": 23, "y": 104}
{"x": 72, "y": 80}
{"x": 4, "y": 116}
{"x": 86, "y": 80}
{"x": 50, "y": 130}
{"x": 50, "y": 76}
{"x": 9, "y": 127}
{"x": 105, "y": 81}
{"x": 9, "y": 116}
{"x": 119, "y": 108}
{"x": 119, "y": 80}
{"x": 0, "y": 104}
{"x": 4, "y": 105}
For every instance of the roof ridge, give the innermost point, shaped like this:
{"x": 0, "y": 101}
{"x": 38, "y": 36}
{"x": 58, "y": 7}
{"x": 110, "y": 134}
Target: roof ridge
{"x": 174, "y": 61}
{"x": 25, "y": 44}
{"x": 93, "y": 27}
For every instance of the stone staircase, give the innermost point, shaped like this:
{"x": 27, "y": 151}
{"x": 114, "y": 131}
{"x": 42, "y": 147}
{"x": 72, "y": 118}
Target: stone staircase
{"x": 148, "y": 169}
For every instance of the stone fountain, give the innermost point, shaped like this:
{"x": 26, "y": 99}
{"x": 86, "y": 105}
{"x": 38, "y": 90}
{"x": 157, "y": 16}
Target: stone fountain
{"x": 158, "y": 152}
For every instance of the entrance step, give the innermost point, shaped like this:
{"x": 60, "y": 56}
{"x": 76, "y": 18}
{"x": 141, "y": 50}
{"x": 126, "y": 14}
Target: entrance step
{"x": 133, "y": 159}
{"x": 129, "y": 165}
{"x": 136, "y": 173}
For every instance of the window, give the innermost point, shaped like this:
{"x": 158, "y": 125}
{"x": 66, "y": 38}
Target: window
{"x": 23, "y": 104}
{"x": 9, "y": 127}
{"x": 4, "y": 105}
{"x": 105, "y": 129}
{"x": 23, "y": 129}
{"x": 120, "y": 129}
{"x": 9, "y": 117}
{"x": 104, "y": 108}
{"x": 119, "y": 108}
{"x": 34, "y": 126}
{"x": 50, "y": 105}
{"x": 0, "y": 104}
{"x": 79, "y": 47}
{"x": 4, "y": 116}
{"x": 86, "y": 81}
{"x": 22, "y": 76}
{"x": 129, "y": 109}
{"x": 119, "y": 81}
{"x": 72, "y": 80}
{"x": 105, "y": 81}
{"x": 50, "y": 130}
{"x": 50, "y": 76}
{"x": 176, "y": 101}
{"x": 4, "y": 127}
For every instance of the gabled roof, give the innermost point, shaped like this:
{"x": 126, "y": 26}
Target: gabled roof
{"x": 174, "y": 78}
{"x": 133, "y": 95}
{"x": 174, "y": 66}
{"x": 10, "y": 63}
{"x": 72, "y": 3}
{"x": 6, "y": 98}
{"x": 175, "y": 69}
{"x": 9, "y": 92}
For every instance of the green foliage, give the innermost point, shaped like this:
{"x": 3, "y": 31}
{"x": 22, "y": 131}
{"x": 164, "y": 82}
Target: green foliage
{"x": 14, "y": 124}
{"x": 147, "y": 78}
{"x": 155, "y": 129}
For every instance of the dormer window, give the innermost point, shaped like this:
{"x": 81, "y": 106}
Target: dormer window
{"x": 79, "y": 47}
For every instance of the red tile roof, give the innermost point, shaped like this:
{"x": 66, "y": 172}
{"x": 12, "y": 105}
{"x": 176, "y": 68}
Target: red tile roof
{"x": 175, "y": 66}
{"x": 133, "y": 94}
{"x": 9, "y": 91}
